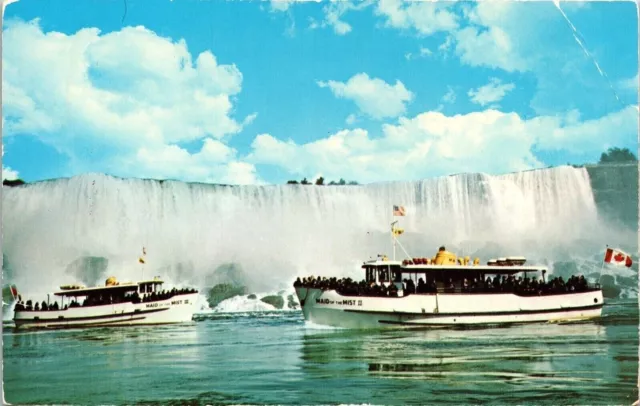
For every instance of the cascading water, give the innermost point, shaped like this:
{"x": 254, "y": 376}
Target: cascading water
{"x": 278, "y": 232}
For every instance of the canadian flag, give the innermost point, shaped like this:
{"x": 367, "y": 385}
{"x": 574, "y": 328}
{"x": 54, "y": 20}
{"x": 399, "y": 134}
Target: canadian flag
{"x": 618, "y": 257}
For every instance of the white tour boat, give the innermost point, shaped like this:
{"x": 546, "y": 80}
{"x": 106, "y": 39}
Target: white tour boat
{"x": 446, "y": 290}
{"x": 115, "y": 304}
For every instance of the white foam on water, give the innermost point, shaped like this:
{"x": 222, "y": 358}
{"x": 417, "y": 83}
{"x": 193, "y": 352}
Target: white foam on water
{"x": 313, "y": 326}
{"x": 242, "y": 304}
{"x": 252, "y": 303}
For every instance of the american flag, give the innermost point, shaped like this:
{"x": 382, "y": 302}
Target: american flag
{"x": 398, "y": 210}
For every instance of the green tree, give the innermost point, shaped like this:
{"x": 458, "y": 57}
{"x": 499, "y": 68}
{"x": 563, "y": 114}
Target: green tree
{"x": 13, "y": 182}
{"x": 342, "y": 182}
{"x": 320, "y": 181}
{"x": 616, "y": 154}
{"x": 305, "y": 182}
{"x": 292, "y": 182}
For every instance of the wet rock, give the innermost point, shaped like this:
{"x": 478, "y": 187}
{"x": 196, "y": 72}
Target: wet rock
{"x": 224, "y": 291}
{"x": 274, "y": 300}
{"x": 291, "y": 302}
{"x": 615, "y": 190}
{"x": 252, "y": 296}
{"x": 228, "y": 273}
{"x": 609, "y": 287}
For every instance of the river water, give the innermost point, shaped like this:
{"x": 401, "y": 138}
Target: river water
{"x": 277, "y": 358}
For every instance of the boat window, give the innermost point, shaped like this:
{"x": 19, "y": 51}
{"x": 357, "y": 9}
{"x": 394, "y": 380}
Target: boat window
{"x": 397, "y": 276}
{"x": 370, "y": 274}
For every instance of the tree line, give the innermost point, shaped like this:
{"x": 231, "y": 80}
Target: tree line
{"x": 320, "y": 182}
{"x": 616, "y": 154}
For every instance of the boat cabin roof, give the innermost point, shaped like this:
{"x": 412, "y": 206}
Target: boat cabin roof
{"x": 496, "y": 269}
{"x": 381, "y": 262}
{"x": 491, "y": 269}
{"x": 82, "y": 291}
{"x": 158, "y": 281}
{"x": 79, "y": 290}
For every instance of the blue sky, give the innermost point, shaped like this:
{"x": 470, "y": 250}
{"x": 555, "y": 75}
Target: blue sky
{"x": 262, "y": 92}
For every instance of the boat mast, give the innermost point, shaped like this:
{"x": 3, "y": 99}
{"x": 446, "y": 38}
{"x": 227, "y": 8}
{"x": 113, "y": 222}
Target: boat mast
{"x": 393, "y": 237}
{"x": 142, "y": 261}
{"x": 395, "y": 241}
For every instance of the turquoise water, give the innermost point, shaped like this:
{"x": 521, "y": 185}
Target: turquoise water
{"x": 275, "y": 358}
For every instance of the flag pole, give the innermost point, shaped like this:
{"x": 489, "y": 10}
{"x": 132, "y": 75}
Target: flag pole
{"x": 393, "y": 237}
{"x": 605, "y": 255}
{"x": 142, "y": 261}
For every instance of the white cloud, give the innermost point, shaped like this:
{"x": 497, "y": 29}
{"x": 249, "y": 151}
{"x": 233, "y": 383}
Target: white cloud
{"x": 283, "y": 5}
{"x": 589, "y": 136}
{"x": 492, "y": 47}
{"x": 335, "y": 10}
{"x": 446, "y": 45}
{"x": 536, "y": 37}
{"x": 422, "y": 53}
{"x": 215, "y": 162}
{"x": 130, "y": 92}
{"x": 490, "y": 141}
{"x": 425, "y": 17}
{"x": 351, "y": 119}
{"x": 8, "y": 173}
{"x": 450, "y": 96}
{"x": 332, "y": 156}
{"x": 425, "y": 52}
{"x": 629, "y": 84}
{"x": 373, "y": 97}
{"x": 492, "y": 92}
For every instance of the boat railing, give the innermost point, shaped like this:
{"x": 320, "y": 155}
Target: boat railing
{"x": 353, "y": 289}
{"x": 402, "y": 294}
{"x": 153, "y": 297}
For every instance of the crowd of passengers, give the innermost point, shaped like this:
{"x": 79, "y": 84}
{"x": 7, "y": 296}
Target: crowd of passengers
{"x": 152, "y": 297}
{"x": 99, "y": 300}
{"x": 497, "y": 284}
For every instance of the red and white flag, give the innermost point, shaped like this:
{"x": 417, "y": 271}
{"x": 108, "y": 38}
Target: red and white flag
{"x": 618, "y": 257}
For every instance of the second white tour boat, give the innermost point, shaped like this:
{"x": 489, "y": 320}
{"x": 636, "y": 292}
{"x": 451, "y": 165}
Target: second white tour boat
{"x": 115, "y": 304}
{"x": 446, "y": 290}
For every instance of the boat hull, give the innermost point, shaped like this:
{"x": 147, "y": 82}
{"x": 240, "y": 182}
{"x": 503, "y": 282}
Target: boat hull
{"x": 332, "y": 309}
{"x": 178, "y": 309}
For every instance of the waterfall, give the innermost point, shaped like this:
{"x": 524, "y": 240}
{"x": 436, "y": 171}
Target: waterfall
{"x": 277, "y": 232}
